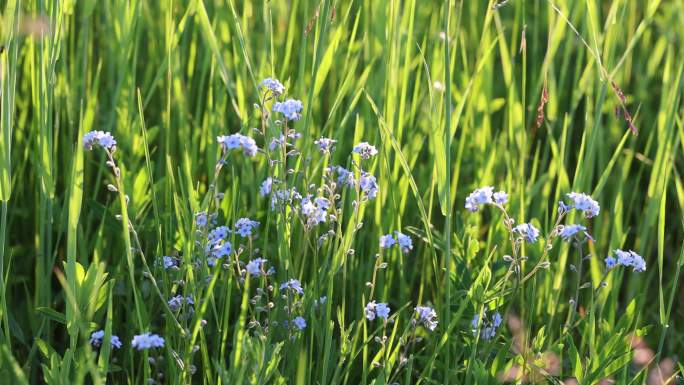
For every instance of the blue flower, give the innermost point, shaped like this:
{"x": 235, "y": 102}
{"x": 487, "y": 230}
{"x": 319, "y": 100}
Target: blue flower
{"x": 479, "y": 197}
{"x": 274, "y": 85}
{"x": 290, "y": 108}
{"x": 101, "y": 138}
{"x": 97, "y": 337}
{"x": 584, "y": 203}
{"x": 344, "y": 176}
{"x": 487, "y": 327}
{"x": 244, "y": 227}
{"x": 500, "y": 197}
{"x": 170, "y": 262}
{"x": 326, "y": 145}
{"x": 368, "y": 185}
{"x": 404, "y": 241}
{"x": 380, "y": 310}
{"x": 255, "y": 267}
{"x": 176, "y": 303}
{"x": 266, "y": 186}
{"x": 201, "y": 219}
{"x": 630, "y": 259}
{"x": 237, "y": 141}
{"x": 293, "y": 285}
{"x": 610, "y": 262}
{"x": 218, "y": 234}
{"x": 527, "y": 231}
{"x": 229, "y": 142}
{"x": 147, "y": 341}
{"x": 570, "y": 231}
{"x": 221, "y": 250}
{"x": 315, "y": 211}
{"x": 365, "y": 150}
{"x": 300, "y": 323}
{"x": 427, "y": 317}
{"x": 387, "y": 241}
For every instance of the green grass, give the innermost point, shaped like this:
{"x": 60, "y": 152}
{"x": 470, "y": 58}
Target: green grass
{"x": 448, "y": 92}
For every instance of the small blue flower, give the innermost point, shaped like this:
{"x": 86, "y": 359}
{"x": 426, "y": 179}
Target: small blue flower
{"x": 315, "y": 211}
{"x": 344, "y": 176}
{"x": 487, "y": 327}
{"x": 382, "y": 310}
{"x": 387, "y": 241}
{"x": 293, "y": 285}
{"x": 500, "y": 197}
{"x": 365, "y": 150}
{"x": 631, "y": 259}
{"x": 147, "y": 341}
{"x": 255, "y": 267}
{"x": 170, "y": 262}
{"x": 176, "y": 302}
{"x": 300, "y": 323}
{"x": 480, "y": 196}
{"x": 584, "y": 203}
{"x": 326, "y": 145}
{"x": 101, "y": 138}
{"x": 427, "y": 317}
{"x": 244, "y": 227}
{"x": 404, "y": 241}
{"x": 266, "y": 186}
{"x": 97, "y": 337}
{"x": 201, "y": 219}
{"x": 527, "y": 231}
{"x": 274, "y": 85}
{"x": 218, "y": 234}
{"x": 290, "y": 108}
{"x": 223, "y": 250}
{"x": 237, "y": 141}
{"x": 610, "y": 262}
{"x": 368, "y": 184}
{"x": 570, "y": 231}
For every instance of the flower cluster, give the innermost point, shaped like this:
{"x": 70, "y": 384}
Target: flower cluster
{"x": 483, "y": 196}
{"x": 238, "y": 141}
{"x": 292, "y": 285}
{"x": 315, "y": 211}
{"x": 266, "y": 186}
{"x": 488, "y": 326}
{"x": 97, "y": 337}
{"x": 98, "y": 138}
{"x": 218, "y": 245}
{"x": 325, "y": 145}
{"x": 402, "y": 240}
{"x": 527, "y": 231}
{"x": 365, "y": 150}
{"x": 147, "y": 341}
{"x": 368, "y": 185}
{"x": 345, "y": 178}
{"x": 581, "y": 202}
{"x": 244, "y": 227}
{"x": 569, "y": 232}
{"x": 177, "y": 302}
{"x": 273, "y": 85}
{"x": 255, "y": 267}
{"x": 426, "y": 317}
{"x": 627, "y": 259}
{"x": 290, "y": 108}
{"x": 380, "y": 310}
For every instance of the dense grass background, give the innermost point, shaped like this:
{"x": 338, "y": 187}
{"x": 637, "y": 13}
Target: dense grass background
{"x": 167, "y": 77}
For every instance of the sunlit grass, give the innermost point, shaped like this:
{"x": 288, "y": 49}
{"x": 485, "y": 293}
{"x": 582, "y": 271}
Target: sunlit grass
{"x": 537, "y": 98}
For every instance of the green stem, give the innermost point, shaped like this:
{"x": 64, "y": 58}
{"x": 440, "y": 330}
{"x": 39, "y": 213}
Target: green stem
{"x": 3, "y": 297}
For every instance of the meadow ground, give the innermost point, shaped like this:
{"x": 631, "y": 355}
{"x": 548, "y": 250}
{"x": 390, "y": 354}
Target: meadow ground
{"x": 341, "y": 192}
